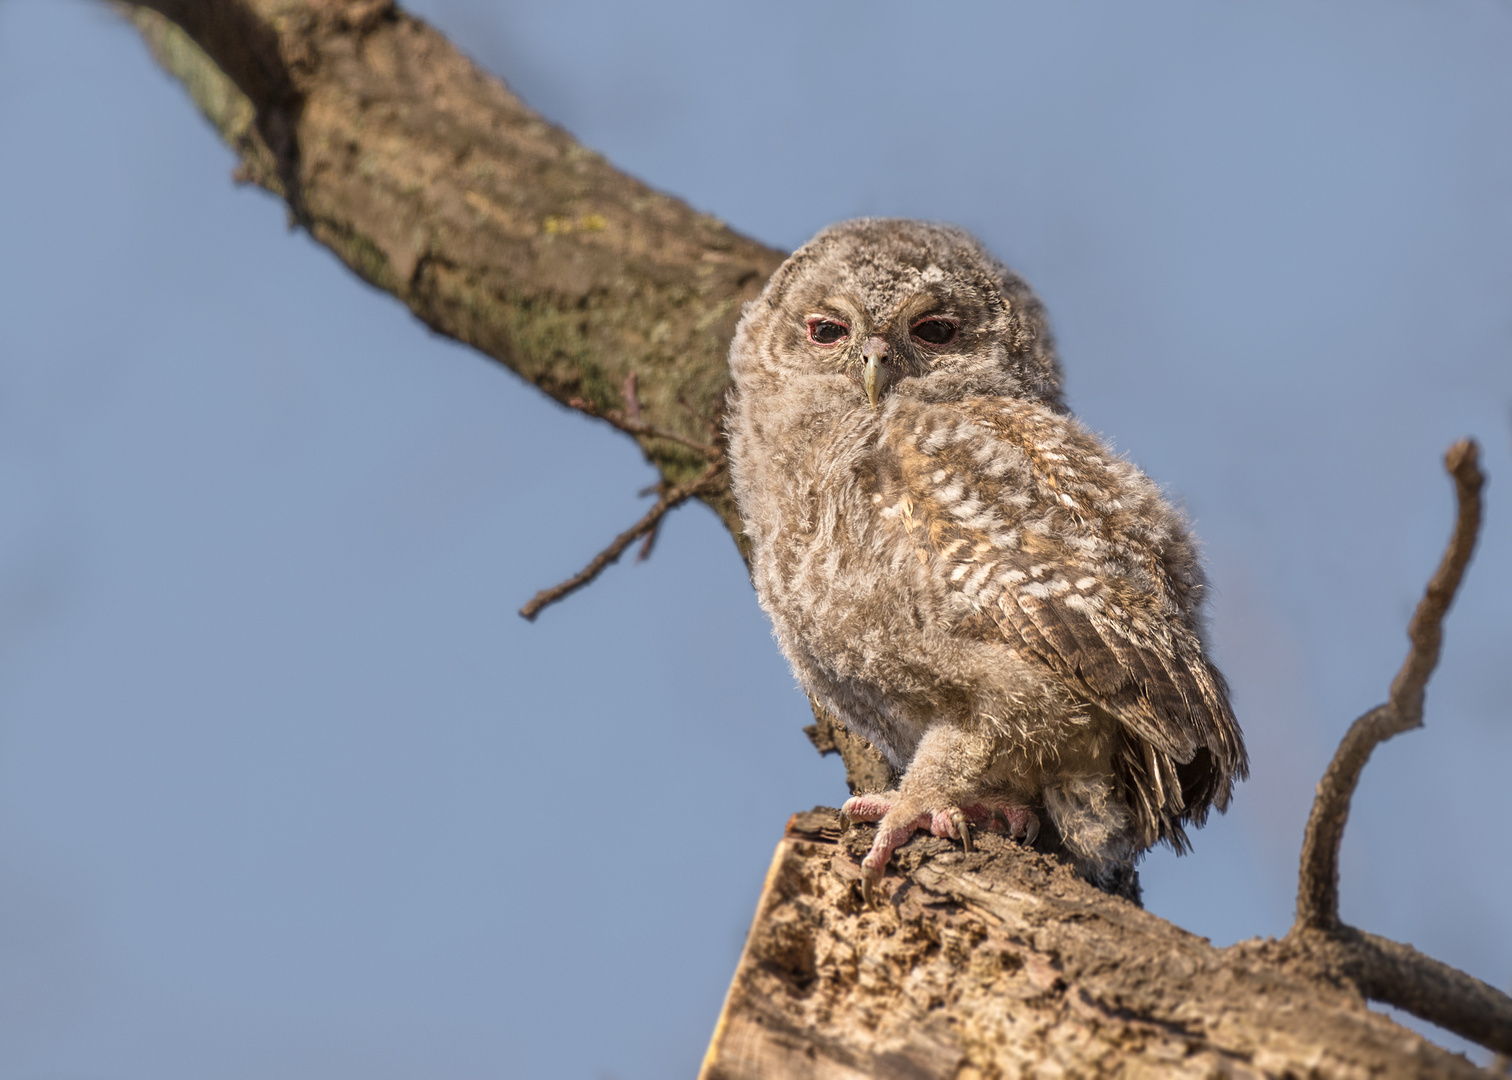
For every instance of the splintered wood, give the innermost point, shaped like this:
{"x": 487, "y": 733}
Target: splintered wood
{"x": 1001, "y": 963}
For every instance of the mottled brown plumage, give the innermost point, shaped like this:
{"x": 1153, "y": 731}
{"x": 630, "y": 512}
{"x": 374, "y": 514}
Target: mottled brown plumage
{"x": 957, "y": 569}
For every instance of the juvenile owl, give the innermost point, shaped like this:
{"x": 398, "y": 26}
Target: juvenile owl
{"x": 957, "y": 569}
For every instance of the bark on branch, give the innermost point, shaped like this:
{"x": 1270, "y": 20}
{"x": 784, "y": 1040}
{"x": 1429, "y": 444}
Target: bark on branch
{"x": 1002, "y": 962}
{"x": 433, "y": 182}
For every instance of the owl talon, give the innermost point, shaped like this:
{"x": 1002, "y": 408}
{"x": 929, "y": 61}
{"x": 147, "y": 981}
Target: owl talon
{"x": 872, "y": 870}
{"x": 1031, "y": 830}
{"x": 962, "y": 827}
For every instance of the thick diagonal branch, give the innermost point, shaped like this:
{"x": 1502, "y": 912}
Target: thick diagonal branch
{"x": 1002, "y": 962}
{"x": 433, "y": 182}
{"x": 1396, "y": 973}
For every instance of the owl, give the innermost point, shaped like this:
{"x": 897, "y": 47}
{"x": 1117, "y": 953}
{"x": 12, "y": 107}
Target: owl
{"x": 958, "y": 570}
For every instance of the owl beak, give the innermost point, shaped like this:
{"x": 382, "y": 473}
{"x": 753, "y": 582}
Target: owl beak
{"x": 874, "y": 374}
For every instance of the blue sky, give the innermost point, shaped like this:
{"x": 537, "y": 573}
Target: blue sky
{"x": 286, "y": 787}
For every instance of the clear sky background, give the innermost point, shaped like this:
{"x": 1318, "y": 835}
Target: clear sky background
{"x": 288, "y": 789}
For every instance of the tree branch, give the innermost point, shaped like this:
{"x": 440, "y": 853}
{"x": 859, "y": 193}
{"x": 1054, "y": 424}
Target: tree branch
{"x": 433, "y": 182}
{"x": 866, "y": 769}
{"x": 1318, "y": 881}
{"x": 1386, "y": 970}
{"x": 1390, "y": 971}
{"x": 630, "y": 422}
{"x": 646, "y": 526}
{"x": 1001, "y": 962}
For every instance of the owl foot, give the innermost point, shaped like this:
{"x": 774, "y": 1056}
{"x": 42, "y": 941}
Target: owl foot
{"x": 1019, "y": 822}
{"x": 899, "y": 822}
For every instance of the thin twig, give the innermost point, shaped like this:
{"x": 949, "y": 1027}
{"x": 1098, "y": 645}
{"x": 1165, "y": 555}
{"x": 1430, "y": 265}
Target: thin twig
{"x": 1318, "y": 881}
{"x": 707, "y": 451}
{"x": 631, "y": 393}
{"x": 708, "y": 421}
{"x": 670, "y": 499}
{"x": 648, "y": 543}
{"x": 647, "y": 527}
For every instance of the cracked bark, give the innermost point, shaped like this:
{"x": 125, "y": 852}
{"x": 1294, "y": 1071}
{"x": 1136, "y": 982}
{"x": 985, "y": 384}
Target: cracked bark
{"x": 1003, "y": 963}
{"x": 431, "y": 181}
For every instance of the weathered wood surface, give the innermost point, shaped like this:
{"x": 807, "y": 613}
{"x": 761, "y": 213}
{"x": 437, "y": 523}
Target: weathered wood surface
{"x": 1001, "y": 963}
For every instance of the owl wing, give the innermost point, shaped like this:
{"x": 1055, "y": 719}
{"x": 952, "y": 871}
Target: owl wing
{"x": 1083, "y": 568}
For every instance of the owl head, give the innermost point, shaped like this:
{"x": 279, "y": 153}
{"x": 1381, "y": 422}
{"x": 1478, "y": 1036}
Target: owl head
{"x": 878, "y": 307}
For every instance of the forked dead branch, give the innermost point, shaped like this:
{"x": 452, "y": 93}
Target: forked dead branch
{"x": 435, "y": 183}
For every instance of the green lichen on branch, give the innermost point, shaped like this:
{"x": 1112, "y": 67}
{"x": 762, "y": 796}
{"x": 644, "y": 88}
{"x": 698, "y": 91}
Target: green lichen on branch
{"x": 216, "y": 96}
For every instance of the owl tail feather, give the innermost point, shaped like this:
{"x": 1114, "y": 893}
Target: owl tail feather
{"x": 1098, "y": 831}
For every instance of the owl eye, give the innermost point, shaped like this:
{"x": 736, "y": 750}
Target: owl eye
{"x": 827, "y": 331}
{"x": 935, "y": 331}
